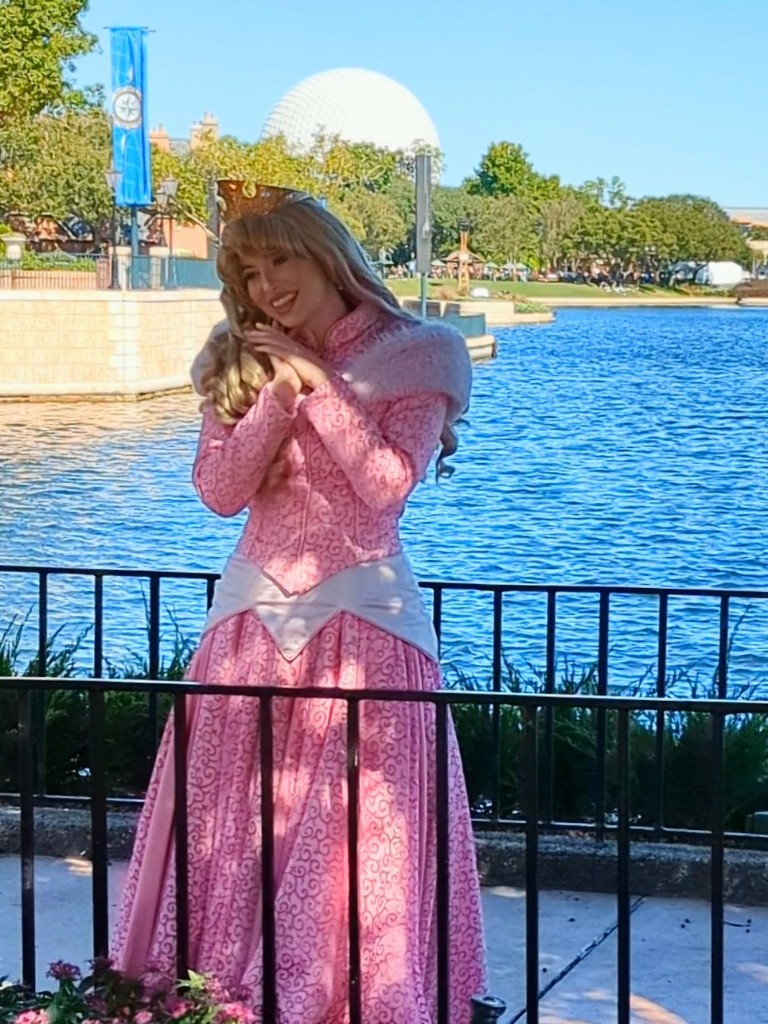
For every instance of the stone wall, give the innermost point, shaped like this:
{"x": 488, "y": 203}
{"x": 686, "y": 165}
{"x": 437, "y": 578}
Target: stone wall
{"x": 100, "y": 344}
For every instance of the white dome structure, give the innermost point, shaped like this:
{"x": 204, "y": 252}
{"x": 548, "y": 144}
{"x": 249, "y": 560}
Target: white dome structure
{"x": 358, "y": 106}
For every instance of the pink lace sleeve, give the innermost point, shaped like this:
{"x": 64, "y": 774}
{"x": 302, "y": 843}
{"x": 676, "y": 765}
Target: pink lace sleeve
{"x": 231, "y": 461}
{"x": 382, "y": 459}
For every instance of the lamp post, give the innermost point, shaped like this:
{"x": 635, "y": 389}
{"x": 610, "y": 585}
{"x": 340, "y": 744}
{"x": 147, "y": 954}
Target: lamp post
{"x": 423, "y": 226}
{"x": 462, "y": 287}
{"x": 166, "y": 193}
{"x": 113, "y": 181}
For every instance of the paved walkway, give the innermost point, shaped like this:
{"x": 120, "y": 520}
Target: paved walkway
{"x": 670, "y": 948}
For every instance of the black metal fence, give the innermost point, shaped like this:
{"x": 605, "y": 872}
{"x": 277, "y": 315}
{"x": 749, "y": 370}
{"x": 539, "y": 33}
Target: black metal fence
{"x": 535, "y": 708}
{"x": 75, "y": 273}
{"x": 603, "y": 773}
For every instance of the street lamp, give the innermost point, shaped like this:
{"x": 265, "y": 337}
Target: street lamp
{"x": 462, "y": 286}
{"x": 113, "y": 181}
{"x": 166, "y": 193}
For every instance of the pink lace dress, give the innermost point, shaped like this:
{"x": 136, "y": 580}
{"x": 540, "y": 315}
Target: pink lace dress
{"x": 350, "y": 469}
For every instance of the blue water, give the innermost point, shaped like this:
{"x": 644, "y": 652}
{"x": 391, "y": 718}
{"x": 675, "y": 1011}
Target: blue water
{"x": 614, "y": 446}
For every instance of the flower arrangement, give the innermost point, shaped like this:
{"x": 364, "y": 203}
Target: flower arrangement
{"x": 106, "y": 996}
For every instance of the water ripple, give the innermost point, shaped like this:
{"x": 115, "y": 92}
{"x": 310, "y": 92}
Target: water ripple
{"x": 615, "y": 447}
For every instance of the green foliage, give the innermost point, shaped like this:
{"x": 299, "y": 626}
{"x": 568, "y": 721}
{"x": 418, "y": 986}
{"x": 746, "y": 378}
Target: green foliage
{"x": 54, "y": 164}
{"x": 108, "y": 995}
{"x": 506, "y": 170}
{"x": 686, "y": 759}
{"x": 505, "y": 230}
{"x": 34, "y": 261}
{"x": 526, "y": 306}
{"x": 690, "y": 228}
{"x": 39, "y": 42}
{"x": 129, "y": 736}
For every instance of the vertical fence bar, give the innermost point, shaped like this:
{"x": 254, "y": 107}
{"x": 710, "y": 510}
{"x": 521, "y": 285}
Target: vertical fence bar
{"x": 154, "y": 656}
{"x": 722, "y": 659}
{"x": 531, "y": 755}
{"x": 443, "y": 865}
{"x": 498, "y": 606}
{"x": 269, "y": 954}
{"x": 623, "y": 853}
{"x": 98, "y": 764}
{"x": 717, "y": 858}
{"x": 181, "y": 834}
{"x": 27, "y": 825}
{"x": 99, "y": 840}
{"x": 40, "y": 697}
{"x": 548, "y": 759}
{"x": 353, "y": 809}
{"x": 602, "y": 735}
{"x": 437, "y": 613}
{"x": 98, "y": 626}
{"x": 661, "y": 691}
{"x": 210, "y": 589}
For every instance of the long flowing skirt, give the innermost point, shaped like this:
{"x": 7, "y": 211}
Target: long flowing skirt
{"x": 397, "y": 834}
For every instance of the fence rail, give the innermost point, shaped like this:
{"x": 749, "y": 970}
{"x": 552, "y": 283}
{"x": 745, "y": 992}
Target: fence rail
{"x": 81, "y": 273}
{"x": 533, "y": 708}
{"x": 604, "y": 781}
{"x": 137, "y": 273}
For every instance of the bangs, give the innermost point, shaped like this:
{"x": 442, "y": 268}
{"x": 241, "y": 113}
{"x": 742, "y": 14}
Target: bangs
{"x": 273, "y": 236}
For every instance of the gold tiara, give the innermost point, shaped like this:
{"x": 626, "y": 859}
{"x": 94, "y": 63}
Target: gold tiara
{"x": 243, "y": 199}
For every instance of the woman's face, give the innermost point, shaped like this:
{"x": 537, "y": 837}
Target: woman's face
{"x": 290, "y": 290}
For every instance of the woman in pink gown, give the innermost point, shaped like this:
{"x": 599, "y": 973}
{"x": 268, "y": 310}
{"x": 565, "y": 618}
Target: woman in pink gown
{"x": 324, "y": 406}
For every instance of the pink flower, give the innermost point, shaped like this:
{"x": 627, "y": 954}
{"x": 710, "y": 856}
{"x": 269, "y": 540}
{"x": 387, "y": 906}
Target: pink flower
{"x": 235, "y": 1013}
{"x": 100, "y": 965}
{"x": 216, "y": 991}
{"x": 62, "y": 971}
{"x": 176, "y": 1007}
{"x": 31, "y": 1017}
{"x": 143, "y": 1017}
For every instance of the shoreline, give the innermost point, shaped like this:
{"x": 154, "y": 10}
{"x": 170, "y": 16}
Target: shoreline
{"x": 502, "y": 312}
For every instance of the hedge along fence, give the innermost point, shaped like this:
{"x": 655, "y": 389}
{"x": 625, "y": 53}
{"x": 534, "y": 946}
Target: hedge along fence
{"x": 678, "y": 744}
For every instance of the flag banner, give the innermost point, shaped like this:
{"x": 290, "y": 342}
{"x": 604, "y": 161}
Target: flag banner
{"x": 130, "y": 132}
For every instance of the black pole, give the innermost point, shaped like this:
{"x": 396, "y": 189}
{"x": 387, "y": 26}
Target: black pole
{"x": 171, "y": 282}
{"x": 114, "y": 281}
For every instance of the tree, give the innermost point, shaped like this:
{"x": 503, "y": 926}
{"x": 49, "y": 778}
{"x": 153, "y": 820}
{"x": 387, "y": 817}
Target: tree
{"x": 449, "y": 206}
{"x": 557, "y": 220}
{"x": 504, "y": 230}
{"x": 684, "y": 227}
{"x": 506, "y": 170}
{"x": 39, "y": 42}
{"x": 340, "y": 166}
{"x": 375, "y": 218}
{"x": 55, "y": 164}
{"x": 612, "y": 194}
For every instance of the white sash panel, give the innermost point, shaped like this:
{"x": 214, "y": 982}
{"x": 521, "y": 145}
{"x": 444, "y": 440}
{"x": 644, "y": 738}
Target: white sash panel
{"x": 384, "y": 593}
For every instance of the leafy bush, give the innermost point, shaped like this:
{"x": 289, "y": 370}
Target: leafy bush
{"x": 130, "y": 735}
{"x": 106, "y": 995}
{"x": 571, "y": 743}
{"x": 686, "y": 761}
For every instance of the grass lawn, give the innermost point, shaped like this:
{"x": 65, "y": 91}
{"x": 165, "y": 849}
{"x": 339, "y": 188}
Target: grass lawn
{"x": 532, "y": 289}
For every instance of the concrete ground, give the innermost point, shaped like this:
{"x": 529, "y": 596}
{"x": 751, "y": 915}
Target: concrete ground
{"x": 577, "y": 961}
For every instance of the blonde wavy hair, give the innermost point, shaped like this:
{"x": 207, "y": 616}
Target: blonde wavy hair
{"x": 301, "y": 228}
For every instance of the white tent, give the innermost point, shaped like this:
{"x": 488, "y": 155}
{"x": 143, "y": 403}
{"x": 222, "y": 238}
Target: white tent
{"x": 721, "y": 275}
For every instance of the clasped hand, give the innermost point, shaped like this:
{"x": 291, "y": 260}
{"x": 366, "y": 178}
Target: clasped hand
{"x": 296, "y": 366}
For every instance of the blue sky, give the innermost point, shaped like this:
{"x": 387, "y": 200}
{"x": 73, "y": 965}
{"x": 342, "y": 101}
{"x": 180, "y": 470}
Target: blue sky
{"x": 670, "y": 97}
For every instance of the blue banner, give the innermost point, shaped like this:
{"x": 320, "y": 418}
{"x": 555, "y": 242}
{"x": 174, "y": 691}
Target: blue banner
{"x": 128, "y": 107}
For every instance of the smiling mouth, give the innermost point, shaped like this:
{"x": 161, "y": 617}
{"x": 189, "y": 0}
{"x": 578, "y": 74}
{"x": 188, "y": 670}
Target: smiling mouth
{"x": 284, "y": 302}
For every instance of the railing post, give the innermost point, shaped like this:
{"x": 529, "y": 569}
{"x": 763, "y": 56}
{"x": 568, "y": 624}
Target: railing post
{"x": 486, "y": 1009}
